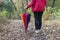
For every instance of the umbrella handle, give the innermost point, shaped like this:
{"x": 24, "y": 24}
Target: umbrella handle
{"x": 26, "y": 4}
{"x": 26, "y": 10}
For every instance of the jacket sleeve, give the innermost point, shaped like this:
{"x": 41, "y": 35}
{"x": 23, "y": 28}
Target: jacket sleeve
{"x": 32, "y": 2}
{"x": 45, "y": 2}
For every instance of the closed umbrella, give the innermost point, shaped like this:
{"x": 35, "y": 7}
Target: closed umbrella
{"x": 26, "y": 19}
{"x": 25, "y": 16}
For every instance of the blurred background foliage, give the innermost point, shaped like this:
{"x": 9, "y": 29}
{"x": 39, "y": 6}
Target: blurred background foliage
{"x": 11, "y": 9}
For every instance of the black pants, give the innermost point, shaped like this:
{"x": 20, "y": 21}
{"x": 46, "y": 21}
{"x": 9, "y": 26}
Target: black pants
{"x": 38, "y": 20}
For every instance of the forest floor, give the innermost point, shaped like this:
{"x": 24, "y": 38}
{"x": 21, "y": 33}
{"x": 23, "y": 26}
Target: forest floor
{"x": 14, "y": 31}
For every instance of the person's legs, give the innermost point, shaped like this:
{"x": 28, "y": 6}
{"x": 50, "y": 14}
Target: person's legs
{"x": 38, "y": 20}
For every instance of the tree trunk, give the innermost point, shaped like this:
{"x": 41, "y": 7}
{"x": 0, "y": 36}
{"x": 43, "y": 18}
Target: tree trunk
{"x": 1, "y": 3}
{"x": 53, "y": 3}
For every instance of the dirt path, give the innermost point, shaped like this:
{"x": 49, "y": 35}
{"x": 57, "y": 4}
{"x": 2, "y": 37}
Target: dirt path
{"x": 14, "y": 31}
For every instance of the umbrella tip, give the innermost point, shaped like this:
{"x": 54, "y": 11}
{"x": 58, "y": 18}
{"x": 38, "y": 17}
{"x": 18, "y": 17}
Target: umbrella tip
{"x": 25, "y": 31}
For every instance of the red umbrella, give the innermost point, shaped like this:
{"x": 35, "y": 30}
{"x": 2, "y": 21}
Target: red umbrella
{"x": 26, "y": 19}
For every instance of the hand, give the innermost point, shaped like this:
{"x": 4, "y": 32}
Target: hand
{"x": 25, "y": 7}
